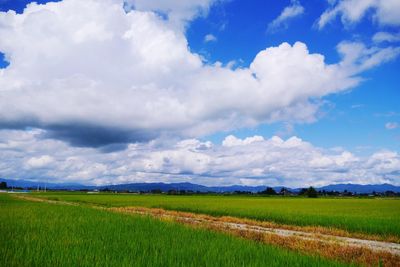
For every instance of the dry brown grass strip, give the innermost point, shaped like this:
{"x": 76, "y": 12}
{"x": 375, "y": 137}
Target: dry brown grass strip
{"x": 37, "y": 199}
{"x": 348, "y": 254}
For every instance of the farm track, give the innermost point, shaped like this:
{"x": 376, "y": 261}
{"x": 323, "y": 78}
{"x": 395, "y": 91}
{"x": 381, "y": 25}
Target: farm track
{"x": 348, "y": 249}
{"x": 392, "y": 248}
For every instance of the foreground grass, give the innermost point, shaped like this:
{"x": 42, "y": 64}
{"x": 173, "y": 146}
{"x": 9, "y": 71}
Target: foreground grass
{"x": 42, "y": 234}
{"x": 370, "y": 216}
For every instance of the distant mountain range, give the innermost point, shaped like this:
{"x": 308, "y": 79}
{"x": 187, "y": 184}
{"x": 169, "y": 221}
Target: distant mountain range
{"x": 183, "y": 186}
{"x": 355, "y": 188}
{"x": 26, "y": 184}
{"x": 361, "y": 189}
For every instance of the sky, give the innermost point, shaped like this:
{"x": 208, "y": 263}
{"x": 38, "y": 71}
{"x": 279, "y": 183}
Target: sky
{"x": 215, "y": 92}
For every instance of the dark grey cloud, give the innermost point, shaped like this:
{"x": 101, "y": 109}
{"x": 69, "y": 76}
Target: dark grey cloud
{"x": 107, "y": 139}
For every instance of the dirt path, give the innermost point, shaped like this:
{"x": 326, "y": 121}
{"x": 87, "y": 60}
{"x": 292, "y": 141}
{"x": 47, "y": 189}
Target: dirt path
{"x": 37, "y": 199}
{"x": 348, "y": 249}
{"x": 218, "y": 222}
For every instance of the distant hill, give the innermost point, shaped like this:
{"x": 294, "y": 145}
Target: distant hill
{"x": 183, "y": 186}
{"x": 361, "y": 189}
{"x": 233, "y": 188}
{"x": 153, "y": 186}
{"x": 165, "y": 187}
{"x": 33, "y": 184}
{"x": 355, "y": 188}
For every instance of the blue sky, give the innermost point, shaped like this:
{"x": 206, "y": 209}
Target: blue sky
{"x": 176, "y": 91}
{"x": 353, "y": 119}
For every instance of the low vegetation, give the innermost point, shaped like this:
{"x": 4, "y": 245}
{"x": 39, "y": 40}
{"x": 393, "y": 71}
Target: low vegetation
{"x": 305, "y": 239}
{"x": 378, "y": 216}
{"x": 42, "y": 234}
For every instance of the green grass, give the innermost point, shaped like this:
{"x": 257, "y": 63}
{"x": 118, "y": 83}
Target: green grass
{"x": 42, "y": 234}
{"x": 371, "y": 216}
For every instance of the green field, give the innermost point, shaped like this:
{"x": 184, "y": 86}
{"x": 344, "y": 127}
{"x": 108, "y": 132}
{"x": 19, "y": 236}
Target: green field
{"x": 372, "y": 216}
{"x": 42, "y": 234}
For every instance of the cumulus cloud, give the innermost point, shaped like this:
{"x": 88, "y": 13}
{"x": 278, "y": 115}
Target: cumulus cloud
{"x": 94, "y": 75}
{"x": 384, "y": 12}
{"x": 250, "y": 161}
{"x": 231, "y": 140}
{"x": 295, "y": 9}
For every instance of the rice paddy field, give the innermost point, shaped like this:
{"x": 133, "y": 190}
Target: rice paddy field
{"x": 43, "y": 234}
{"x": 377, "y": 216}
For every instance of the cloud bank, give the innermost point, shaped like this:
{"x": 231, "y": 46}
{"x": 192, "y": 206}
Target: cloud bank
{"x": 250, "y": 161}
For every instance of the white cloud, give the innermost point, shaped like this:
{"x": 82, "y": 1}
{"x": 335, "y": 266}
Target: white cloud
{"x": 251, "y": 161}
{"x": 103, "y": 68}
{"x": 391, "y": 125}
{"x": 39, "y": 162}
{"x": 231, "y": 140}
{"x": 89, "y": 73}
{"x": 295, "y": 9}
{"x": 178, "y": 12}
{"x": 381, "y": 37}
{"x": 357, "y": 57}
{"x": 210, "y": 38}
{"x": 384, "y": 12}
{"x": 93, "y": 75}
